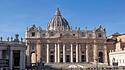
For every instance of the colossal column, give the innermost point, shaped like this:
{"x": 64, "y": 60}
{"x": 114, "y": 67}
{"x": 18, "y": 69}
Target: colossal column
{"x": 77, "y": 53}
{"x": 28, "y": 53}
{"x": 47, "y": 53}
{"x": 95, "y": 53}
{"x": 105, "y": 54}
{"x": 71, "y": 53}
{"x": 38, "y": 52}
{"x": 58, "y": 53}
{"x": 64, "y": 55}
{"x": 87, "y": 55}
{"x": 55, "y": 53}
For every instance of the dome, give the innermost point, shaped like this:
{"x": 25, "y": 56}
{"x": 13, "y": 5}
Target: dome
{"x": 58, "y": 22}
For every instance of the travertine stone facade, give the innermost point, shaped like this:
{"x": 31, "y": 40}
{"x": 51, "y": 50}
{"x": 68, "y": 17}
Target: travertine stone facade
{"x": 14, "y": 51}
{"x": 60, "y": 44}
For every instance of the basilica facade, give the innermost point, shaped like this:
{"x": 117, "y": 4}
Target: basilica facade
{"x": 59, "y": 43}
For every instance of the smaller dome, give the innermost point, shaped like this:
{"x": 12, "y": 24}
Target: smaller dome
{"x": 58, "y": 22}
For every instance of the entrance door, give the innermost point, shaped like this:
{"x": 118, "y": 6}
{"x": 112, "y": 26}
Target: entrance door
{"x": 67, "y": 58}
{"x": 83, "y": 58}
{"x": 51, "y": 58}
{"x": 101, "y": 57}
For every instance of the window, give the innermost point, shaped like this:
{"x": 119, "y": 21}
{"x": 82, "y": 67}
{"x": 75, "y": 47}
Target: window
{"x": 51, "y": 34}
{"x": 90, "y": 35}
{"x": 33, "y": 47}
{"x": 33, "y": 33}
{"x": 60, "y": 34}
{"x": 100, "y": 56}
{"x": 83, "y": 35}
{"x": 67, "y": 46}
{"x": 61, "y": 47}
{"x": 83, "y": 46}
{"x": 43, "y": 35}
{"x": 67, "y": 51}
{"x": 99, "y": 35}
{"x": 73, "y": 34}
{"x": 74, "y": 47}
{"x": 52, "y": 46}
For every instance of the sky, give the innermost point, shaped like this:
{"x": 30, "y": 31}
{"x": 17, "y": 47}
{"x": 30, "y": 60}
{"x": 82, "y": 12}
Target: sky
{"x": 15, "y": 15}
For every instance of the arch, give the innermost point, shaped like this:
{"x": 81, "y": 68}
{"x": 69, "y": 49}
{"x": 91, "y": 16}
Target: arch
{"x": 100, "y": 57}
{"x": 33, "y": 57}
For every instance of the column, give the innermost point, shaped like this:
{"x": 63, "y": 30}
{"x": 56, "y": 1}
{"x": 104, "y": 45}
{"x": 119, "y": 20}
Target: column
{"x": 87, "y": 54}
{"x": 77, "y": 53}
{"x": 105, "y": 54}
{"x": 71, "y": 53}
{"x": 21, "y": 60}
{"x": 58, "y": 53}
{"x": 47, "y": 53}
{"x": 0, "y": 54}
{"x": 1, "y": 58}
{"x": 64, "y": 54}
{"x": 28, "y": 55}
{"x": 95, "y": 53}
{"x": 38, "y": 52}
{"x": 24, "y": 59}
{"x": 55, "y": 53}
{"x": 11, "y": 60}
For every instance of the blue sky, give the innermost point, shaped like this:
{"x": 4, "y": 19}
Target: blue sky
{"x": 15, "y": 15}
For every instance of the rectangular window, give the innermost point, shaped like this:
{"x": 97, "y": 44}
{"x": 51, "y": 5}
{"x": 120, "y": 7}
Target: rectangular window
{"x": 33, "y": 33}
{"x": 33, "y": 47}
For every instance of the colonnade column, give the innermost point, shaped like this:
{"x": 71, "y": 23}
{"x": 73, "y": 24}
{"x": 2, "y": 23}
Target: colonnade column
{"x": 64, "y": 51}
{"x": 105, "y": 54}
{"x": 38, "y": 52}
{"x": 58, "y": 53}
{"x": 55, "y": 53}
{"x": 28, "y": 55}
{"x": 95, "y": 53}
{"x": 0, "y": 54}
{"x": 47, "y": 53}
{"x": 1, "y": 58}
{"x": 71, "y": 56}
{"x": 11, "y": 60}
{"x": 77, "y": 52}
{"x": 21, "y": 59}
{"x": 87, "y": 53}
